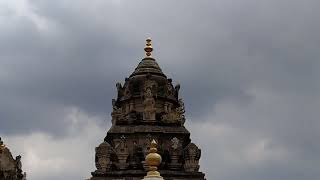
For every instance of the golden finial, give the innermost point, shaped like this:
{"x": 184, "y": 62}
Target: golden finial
{"x": 148, "y": 49}
{"x": 153, "y": 160}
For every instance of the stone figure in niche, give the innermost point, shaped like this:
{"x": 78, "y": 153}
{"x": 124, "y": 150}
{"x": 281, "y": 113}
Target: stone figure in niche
{"x": 170, "y": 115}
{"x": 167, "y": 107}
{"x": 175, "y": 154}
{"x": 173, "y": 116}
{"x": 170, "y": 89}
{"x": 175, "y": 143}
{"x": 149, "y": 106}
{"x": 150, "y": 84}
{"x": 117, "y": 113}
{"x": 122, "y": 152}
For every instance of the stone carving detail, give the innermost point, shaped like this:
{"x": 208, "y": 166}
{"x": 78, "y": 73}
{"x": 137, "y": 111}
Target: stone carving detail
{"x": 127, "y": 92}
{"x": 170, "y": 89}
{"x": 134, "y": 160}
{"x": 191, "y": 158}
{"x": 181, "y": 111}
{"x": 120, "y": 90}
{"x": 175, "y": 143}
{"x": 147, "y": 107}
{"x": 103, "y": 157}
{"x": 174, "y": 115}
{"x": 177, "y": 88}
{"x": 122, "y": 152}
{"x": 175, "y": 154}
{"x": 150, "y": 84}
{"x": 117, "y": 114}
{"x": 10, "y": 168}
{"x": 149, "y": 103}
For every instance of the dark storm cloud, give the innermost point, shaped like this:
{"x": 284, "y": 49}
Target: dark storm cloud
{"x": 262, "y": 56}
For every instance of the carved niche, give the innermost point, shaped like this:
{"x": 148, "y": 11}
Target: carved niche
{"x": 173, "y": 116}
{"x": 175, "y": 154}
{"x": 149, "y": 114}
{"x": 191, "y": 158}
{"x": 118, "y": 115}
{"x": 122, "y": 152}
{"x": 103, "y": 157}
{"x": 169, "y": 88}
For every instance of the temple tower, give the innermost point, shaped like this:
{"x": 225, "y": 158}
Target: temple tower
{"x": 147, "y": 107}
{"x": 10, "y": 168}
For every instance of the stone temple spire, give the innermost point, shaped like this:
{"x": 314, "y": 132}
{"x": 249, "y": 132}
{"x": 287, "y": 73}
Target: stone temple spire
{"x": 148, "y": 64}
{"x": 147, "y": 106}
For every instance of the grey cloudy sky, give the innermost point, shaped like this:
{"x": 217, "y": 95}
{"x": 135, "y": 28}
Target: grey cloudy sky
{"x": 248, "y": 69}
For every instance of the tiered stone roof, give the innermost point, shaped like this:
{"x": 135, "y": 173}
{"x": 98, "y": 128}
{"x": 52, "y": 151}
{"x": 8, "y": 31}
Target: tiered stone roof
{"x": 147, "y": 107}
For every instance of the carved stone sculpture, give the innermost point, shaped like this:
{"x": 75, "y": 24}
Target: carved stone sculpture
{"x": 150, "y": 84}
{"x": 147, "y": 107}
{"x": 149, "y": 103}
{"x": 103, "y": 157}
{"x": 122, "y": 152}
{"x": 173, "y": 116}
{"x": 181, "y": 111}
{"x": 175, "y": 154}
{"x": 10, "y": 168}
{"x": 191, "y": 156}
{"x": 117, "y": 115}
{"x": 170, "y": 89}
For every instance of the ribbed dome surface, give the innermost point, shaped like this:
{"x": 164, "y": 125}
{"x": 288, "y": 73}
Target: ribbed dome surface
{"x": 148, "y": 65}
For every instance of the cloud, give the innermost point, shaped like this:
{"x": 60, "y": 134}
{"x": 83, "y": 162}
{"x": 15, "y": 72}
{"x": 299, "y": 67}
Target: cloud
{"x": 248, "y": 72}
{"x": 47, "y": 157}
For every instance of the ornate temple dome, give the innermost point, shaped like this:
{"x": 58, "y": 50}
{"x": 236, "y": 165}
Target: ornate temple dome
{"x": 147, "y": 107}
{"x": 148, "y": 64}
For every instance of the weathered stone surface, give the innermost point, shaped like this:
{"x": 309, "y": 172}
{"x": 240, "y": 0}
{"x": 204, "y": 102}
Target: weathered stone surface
{"x": 147, "y": 107}
{"x": 10, "y": 168}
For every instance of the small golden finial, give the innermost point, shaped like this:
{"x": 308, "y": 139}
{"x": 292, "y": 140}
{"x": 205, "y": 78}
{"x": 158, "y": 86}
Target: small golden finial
{"x": 148, "y": 49}
{"x": 153, "y": 160}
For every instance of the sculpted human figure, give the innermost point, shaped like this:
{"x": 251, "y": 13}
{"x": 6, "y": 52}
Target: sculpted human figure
{"x": 170, "y": 89}
{"x": 149, "y": 106}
